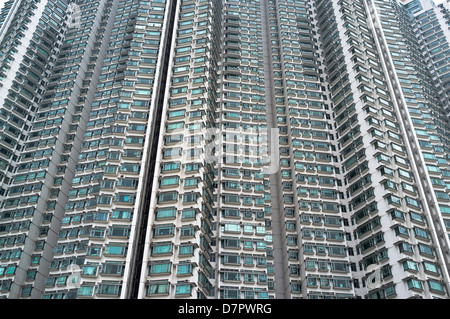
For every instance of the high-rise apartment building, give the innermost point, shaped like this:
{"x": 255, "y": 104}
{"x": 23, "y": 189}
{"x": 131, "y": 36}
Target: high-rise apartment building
{"x": 202, "y": 149}
{"x": 431, "y": 24}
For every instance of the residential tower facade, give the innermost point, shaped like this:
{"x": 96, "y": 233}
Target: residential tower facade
{"x": 224, "y": 149}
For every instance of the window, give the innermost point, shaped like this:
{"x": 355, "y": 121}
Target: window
{"x": 414, "y": 284}
{"x": 158, "y": 287}
{"x": 90, "y": 270}
{"x": 116, "y": 249}
{"x": 392, "y": 199}
{"x": 10, "y": 270}
{"x": 435, "y": 286}
{"x": 112, "y": 268}
{"x": 160, "y": 268}
{"x": 404, "y": 173}
{"x": 188, "y": 214}
{"x": 167, "y": 197}
{"x": 336, "y": 250}
{"x": 190, "y": 182}
{"x": 167, "y": 181}
{"x": 186, "y": 250}
{"x": 187, "y": 231}
{"x": 310, "y": 264}
{"x": 312, "y": 281}
{"x": 85, "y": 291}
{"x": 401, "y": 231}
{"x": 188, "y": 198}
{"x": 343, "y": 283}
{"x": 231, "y": 276}
{"x": 235, "y": 243}
{"x": 335, "y": 235}
{"x": 410, "y": 265}
{"x": 165, "y": 213}
{"x": 118, "y": 214}
{"x": 97, "y": 232}
{"x": 426, "y": 250}
{"x": 233, "y": 228}
{"x": 396, "y": 214}
{"x": 170, "y": 166}
{"x": 192, "y": 167}
{"x": 112, "y": 288}
{"x": 385, "y": 158}
{"x": 184, "y": 269}
{"x": 183, "y": 289}
{"x": 420, "y": 232}
{"x": 163, "y": 230}
{"x": 160, "y": 249}
{"x": 430, "y": 267}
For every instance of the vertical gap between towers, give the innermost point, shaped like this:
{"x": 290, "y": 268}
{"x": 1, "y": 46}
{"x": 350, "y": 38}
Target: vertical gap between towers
{"x": 153, "y": 151}
{"x": 279, "y": 267}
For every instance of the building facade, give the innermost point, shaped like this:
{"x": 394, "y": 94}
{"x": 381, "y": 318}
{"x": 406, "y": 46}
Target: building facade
{"x": 201, "y": 149}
